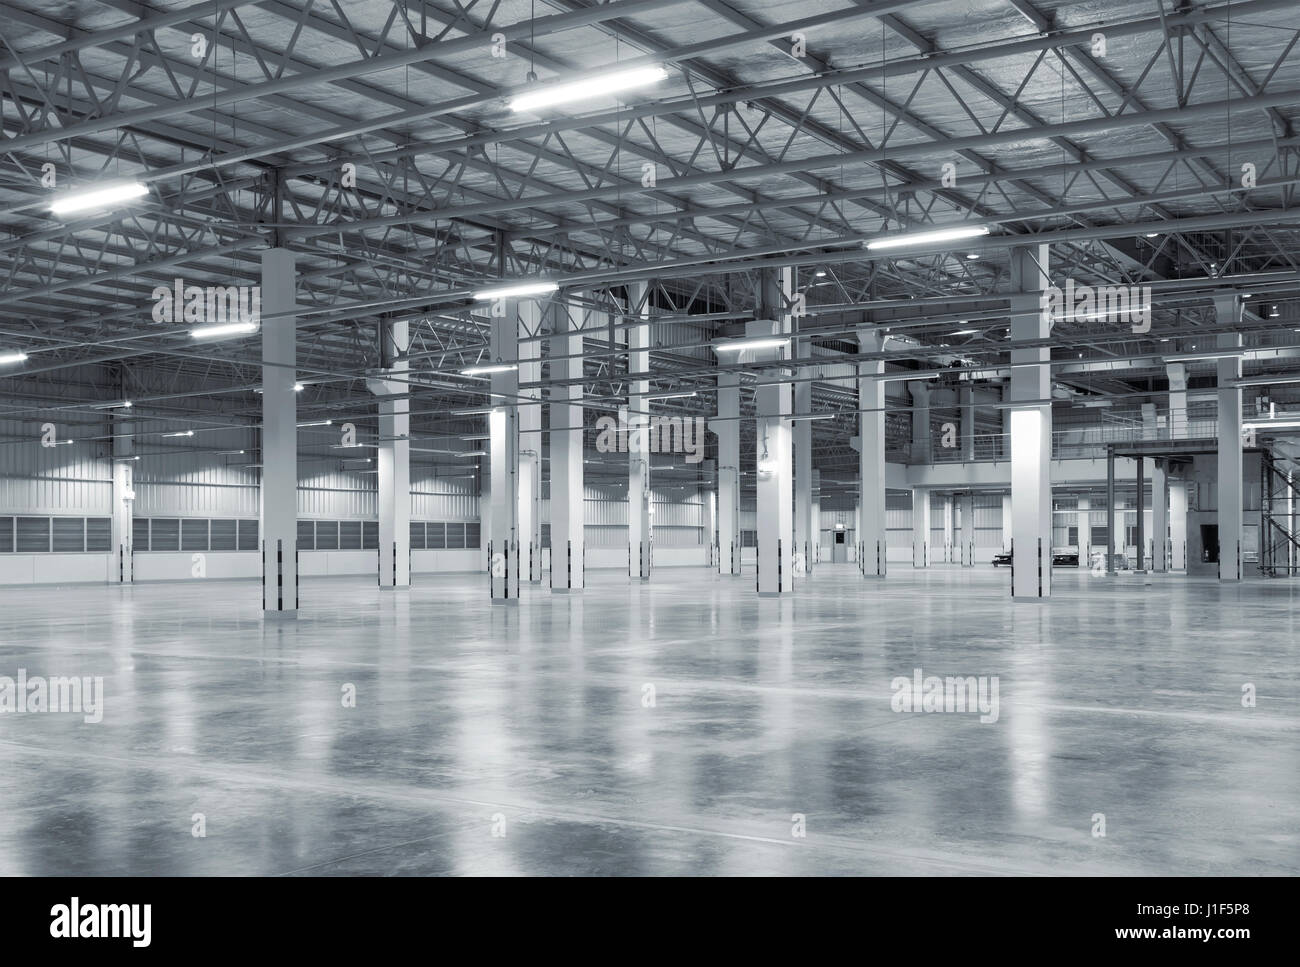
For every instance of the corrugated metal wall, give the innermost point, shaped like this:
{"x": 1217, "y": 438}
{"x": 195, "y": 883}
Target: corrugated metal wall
{"x": 74, "y": 479}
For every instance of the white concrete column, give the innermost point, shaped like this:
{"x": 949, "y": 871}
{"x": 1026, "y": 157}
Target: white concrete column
{"x": 922, "y": 445}
{"x": 639, "y": 536}
{"x": 802, "y": 432}
{"x": 1227, "y": 306}
{"x": 530, "y": 443}
{"x": 966, "y": 399}
{"x": 505, "y": 566}
{"x": 727, "y": 428}
{"x": 279, "y": 437}
{"x": 1178, "y": 525}
{"x": 1006, "y": 522}
{"x": 871, "y": 531}
{"x": 123, "y": 571}
{"x": 774, "y": 464}
{"x": 1083, "y": 524}
{"x": 394, "y": 459}
{"x": 966, "y": 507}
{"x": 711, "y": 518}
{"x": 948, "y": 529}
{"x": 816, "y": 517}
{"x": 1159, "y": 518}
{"x": 920, "y": 528}
{"x": 567, "y": 505}
{"x": 1177, "y": 373}
{"x": 1031, "y": 428}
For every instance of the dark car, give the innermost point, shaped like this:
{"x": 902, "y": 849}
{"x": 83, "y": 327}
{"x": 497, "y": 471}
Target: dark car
{"x": 1065, "y": 560}
{"x": 1003, "y": 557}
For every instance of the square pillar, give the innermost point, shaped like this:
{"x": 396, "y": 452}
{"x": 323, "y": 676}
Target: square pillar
{"x": 279, "y": 437}
{"x": 816, "y": 517}
{"x": 568, "y": 543}
{"x": 773, "y": 467}
{"x": 504, "y": 564}
{"x": 1177, "y": 373}
{"x": 727, "y": 429}
{"x": 1140, "y": 529}
{"x": 966, "y": 399}
{"x": 1083, "y": 524}
{"x": 530, "y": 442}
{"x": 966, "y": 508}
{"x": 922, "y": 445}
{"x": 123, "y": 569}
{"x": 639, "y": 537}
{"x": 802, "y": 431}
{"x": 1227, "y": 306}
{"x": 1006, "y": 522}
{"x": 920, "y": 528}
{"x": 1178, "y": 525}
{"x": 394, "y": 460}
{"x": 1031, "y": 428}
{"x": 1159, "y": 519}
{"x": 872, "y": 551}
{"x": 948, "y": 529}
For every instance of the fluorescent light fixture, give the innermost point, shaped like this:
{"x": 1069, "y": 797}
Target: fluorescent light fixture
{"x": 225, "y": 329}
{"x": 124, "y": 459}
{"x": 964, "y": 332}
{"x": 351, "y": 446}
{"x": 1231, "y": 354}
{"x": 601, "y": 86}
{"x": 481, "y": 411}
{"x": 490, "y": 368}
{"x": 123, "y": 404}
{"x": 469, "y": 437}
{"x": 297, "y": 387}
{"x": 180, "y": 433}
{"x": 677, "y": 395}
{"x": 813, "y": 416}
{"x": 229, "y": 452}
{"x": 1275, "y": 424}
{"x": 755, "y": 342}
{"x": 1152, "y": 235}
{"x": 820, "y": 273}
{"x": 515, "y": 290}
{"x": 95, "y": 198}
{"x": 906, "y": 376}
{"x": 1265, "y": 380}
{"x": 63, "y": 443}
{"x": 13, "y": 357}
{"x": 318, "y": 423}
{"x": 972, "y": 255}
{"x": 928, "y": 238}
{"x": 473, "y": 453}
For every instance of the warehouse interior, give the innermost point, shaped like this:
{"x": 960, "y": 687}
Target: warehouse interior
{"x": 551, "y": 437}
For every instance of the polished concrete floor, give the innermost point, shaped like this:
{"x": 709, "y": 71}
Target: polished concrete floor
{"x": 525, "y": 740}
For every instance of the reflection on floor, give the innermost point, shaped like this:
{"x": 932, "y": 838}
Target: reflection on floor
{"x": 681, "y": 727}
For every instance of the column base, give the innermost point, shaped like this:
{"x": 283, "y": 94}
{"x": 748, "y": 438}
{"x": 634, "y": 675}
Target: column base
{"x": 566, "y": 590}
{"x": 280, "y": 615}
{"x": 510, "y": 602}
{"x": 773, "y": 594}
{"x": 394, "y": 587}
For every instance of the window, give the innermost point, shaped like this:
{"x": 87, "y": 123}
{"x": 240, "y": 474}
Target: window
{"x": 417, "y": 535}
{"x": 437, "y": 536}
{"x": 473, "y": 534}
{"x": 248, "y": 535}
{"x": 349, "y": 535}
{"x": 164, "y": 534}
{"x": 6, "y": 534}
{"x": 455, "y": 535}
{"x": 306, "y": 535}
{"x": 194, "y": 535}
{"x": 222, "y": 535}
{"x": 327, "y": 535}
{"x": 369, "y": 535}
{"x": 99, "y": 534}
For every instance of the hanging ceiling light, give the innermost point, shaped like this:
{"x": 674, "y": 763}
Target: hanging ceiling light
{"x": 600, "y": 86}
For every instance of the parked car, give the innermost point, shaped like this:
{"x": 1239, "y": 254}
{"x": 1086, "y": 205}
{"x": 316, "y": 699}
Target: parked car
{"x": 1002, "y": 557}
{"x": 1066, "y": 559}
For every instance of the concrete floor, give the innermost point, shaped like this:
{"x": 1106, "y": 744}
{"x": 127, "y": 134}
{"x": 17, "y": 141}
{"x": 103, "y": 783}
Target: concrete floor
{"x": 1115, "y": 698}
